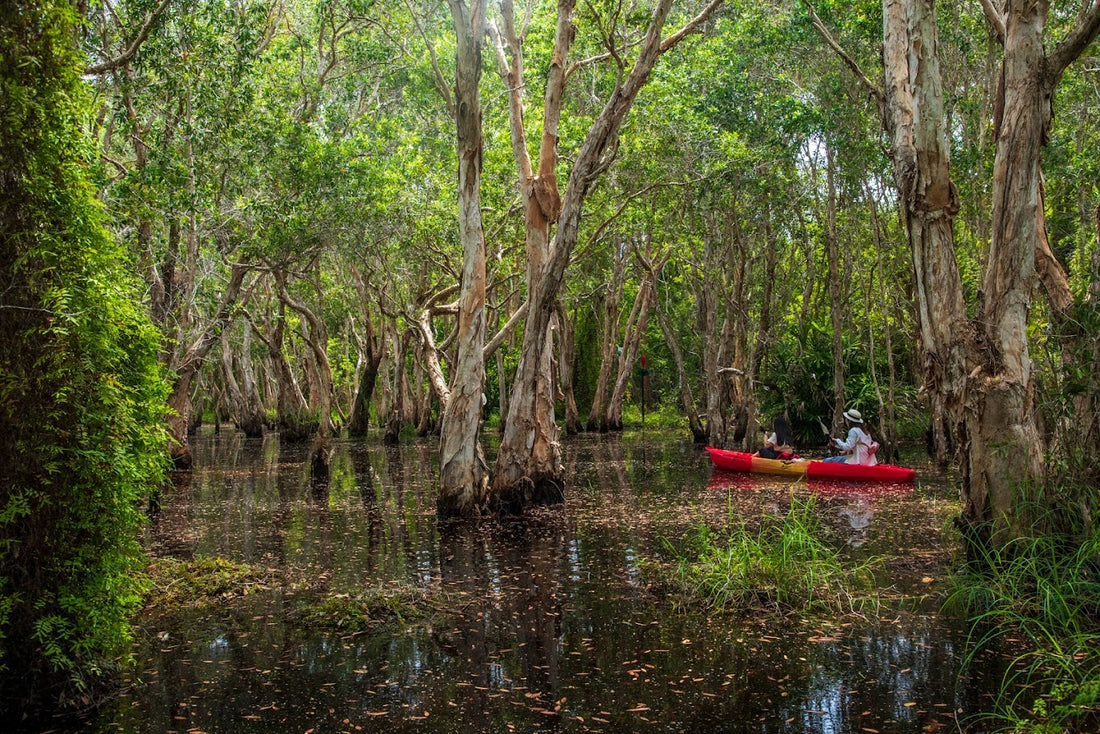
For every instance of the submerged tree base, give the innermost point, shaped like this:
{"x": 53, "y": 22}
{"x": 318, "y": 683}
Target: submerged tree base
{"x": 542, "y": 489}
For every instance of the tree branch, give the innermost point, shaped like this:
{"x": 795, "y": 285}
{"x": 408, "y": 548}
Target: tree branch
{"x": 996, "y": 19}
{"x": 822, "y": 31}
{"x": 1066, "y": 52}
{"x": 125, "y": 56}
{"x": 694, "y": 23}
{"x": 440, "y": 80}
{"x": 494, "y": 343}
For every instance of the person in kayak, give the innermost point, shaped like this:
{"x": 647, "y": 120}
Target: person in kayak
{"x": 858, "y": 447}
{"x": 777, "y": 445}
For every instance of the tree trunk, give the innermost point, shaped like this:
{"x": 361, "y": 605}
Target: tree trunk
{"x": 372, "y": 347}
{"x": 292, "y": 415}
{"x": 717, "y": 332}
{"x": 567, "y": 358}
{"x": 635, "y": 332}
{"x": 887, "y": 420}
{"x": 836, "y": 306}
{"x": 1005, "y": 455}
{"x": 463, "y": 482}
{"x": 179, "y": 399}
{"x": 316, "y": 338}
{"x": 397, "y": 415}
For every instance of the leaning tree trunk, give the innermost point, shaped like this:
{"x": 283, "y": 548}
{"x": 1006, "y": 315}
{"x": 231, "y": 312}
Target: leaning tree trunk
{"x": 292, "y": 415}
{"x": 179, "y": 399}
{"x": 316, "y": 337}
{"x": 687, "y": 397}
{"x": 636, "y": 329}
{"x": 463, "y": 482}
{"x": 597, "y": 414}
{"x": 245, "y": 418}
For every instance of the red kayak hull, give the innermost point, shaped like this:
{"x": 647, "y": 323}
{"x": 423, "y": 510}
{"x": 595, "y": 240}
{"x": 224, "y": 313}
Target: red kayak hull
{"x": 737, "y": 461}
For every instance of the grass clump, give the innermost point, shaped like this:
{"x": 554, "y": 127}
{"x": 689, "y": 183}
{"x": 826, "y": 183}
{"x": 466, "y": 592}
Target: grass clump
{"x": 1044, "y": 590}
{"x": 174, "y": 583}
{"x": 364, "y": 610}
{"x": 783, "y": 567}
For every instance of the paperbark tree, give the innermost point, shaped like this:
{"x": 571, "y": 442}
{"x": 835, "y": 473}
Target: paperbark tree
{"x": 979, "y": 372}
{"x": 687, "y": 396}
{"x": 189, "y": 364}
{"x": 609, "y": 336}
{"x": 316, "y": 337}
{"x": 636, "y": 327}
{"x": 836, "y": 306}
{"x": 1005, "y": 455}
{"x": 529, "y": 463}
{"x": 463, "y": 481}
{"x": 567, "y": 351}
{"x": 372, "y": 349}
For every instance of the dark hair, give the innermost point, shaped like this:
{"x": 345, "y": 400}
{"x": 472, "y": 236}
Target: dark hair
{"x": 782, "y": 431}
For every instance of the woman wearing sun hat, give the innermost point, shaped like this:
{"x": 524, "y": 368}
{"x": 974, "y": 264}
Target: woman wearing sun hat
{"x": 856, "y": 449}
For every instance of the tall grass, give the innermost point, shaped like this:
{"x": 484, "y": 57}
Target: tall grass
{"x": 1043, "y": 590}
{"x": 784, "y": 566}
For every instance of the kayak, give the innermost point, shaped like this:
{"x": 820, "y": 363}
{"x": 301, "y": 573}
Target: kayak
{"x": 737, "y": 461}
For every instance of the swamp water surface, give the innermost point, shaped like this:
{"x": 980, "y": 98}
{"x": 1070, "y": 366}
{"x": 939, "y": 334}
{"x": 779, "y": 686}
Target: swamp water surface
{"x": 551, "y": 623}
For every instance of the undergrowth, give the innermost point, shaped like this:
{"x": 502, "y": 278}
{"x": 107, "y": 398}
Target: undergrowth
{"x": 173, "y": 583}
{"x": 1043, "y": 590}
{"x": 365, "y": 610}
{"x": 784, "y": 566}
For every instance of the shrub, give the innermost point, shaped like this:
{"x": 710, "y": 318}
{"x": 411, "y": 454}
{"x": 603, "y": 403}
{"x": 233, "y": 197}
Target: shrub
{"x": 81, "y": 394}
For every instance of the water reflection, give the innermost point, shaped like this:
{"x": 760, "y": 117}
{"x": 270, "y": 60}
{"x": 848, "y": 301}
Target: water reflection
{"x": 552, "y": 627}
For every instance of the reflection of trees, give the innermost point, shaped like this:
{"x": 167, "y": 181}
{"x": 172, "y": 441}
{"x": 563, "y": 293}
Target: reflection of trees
{"x": 510, "y": 636}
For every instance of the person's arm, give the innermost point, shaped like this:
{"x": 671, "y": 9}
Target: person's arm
{"x": 849, "y": 443}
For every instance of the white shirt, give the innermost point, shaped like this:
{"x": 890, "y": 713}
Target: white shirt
{"x": 858, "y": 446}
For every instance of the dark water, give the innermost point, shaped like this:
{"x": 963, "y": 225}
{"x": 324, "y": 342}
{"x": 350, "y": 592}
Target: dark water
{"x": 555, "y": 628}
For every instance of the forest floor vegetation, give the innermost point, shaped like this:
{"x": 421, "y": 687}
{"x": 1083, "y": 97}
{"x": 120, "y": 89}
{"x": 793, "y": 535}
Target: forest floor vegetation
{"x": 1038, "y": 596}
{"x": 782, "y": 567}
{"x": 212, "y": 585}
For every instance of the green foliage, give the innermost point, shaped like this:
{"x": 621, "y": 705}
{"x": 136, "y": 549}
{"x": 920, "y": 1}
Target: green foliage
{"x": 1043, "y": 589}
{"x": 784, "y": 566}
{"x": 81, "y": 392}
